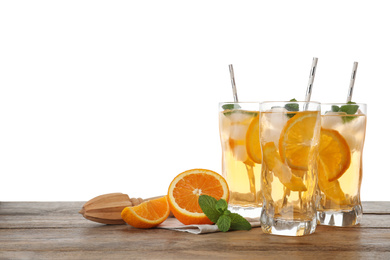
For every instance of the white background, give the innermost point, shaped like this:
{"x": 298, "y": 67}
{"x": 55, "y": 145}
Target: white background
{"x": 121, "y": 96}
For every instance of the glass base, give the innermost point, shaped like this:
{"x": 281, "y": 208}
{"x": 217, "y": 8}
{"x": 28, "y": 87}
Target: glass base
{"x": 284, "y": 227}
{"x": 341, "y": 218}
{"x": 246, "y": 212}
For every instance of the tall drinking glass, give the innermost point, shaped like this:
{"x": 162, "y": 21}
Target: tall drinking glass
{"x": 289, "y": 137}
{"x": 340, "y": 163}
{"x": 241, "y": 156}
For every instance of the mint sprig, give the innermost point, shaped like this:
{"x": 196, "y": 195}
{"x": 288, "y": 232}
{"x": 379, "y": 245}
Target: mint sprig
{"x": 231, "y": 106}
{"x": 350, "y": 109}
{"x": 217, "y": 212}
{"x": 292, "y": 107}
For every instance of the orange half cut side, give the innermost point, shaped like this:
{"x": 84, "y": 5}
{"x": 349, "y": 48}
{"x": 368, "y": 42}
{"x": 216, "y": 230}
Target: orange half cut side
{"x": 185, "y": 189}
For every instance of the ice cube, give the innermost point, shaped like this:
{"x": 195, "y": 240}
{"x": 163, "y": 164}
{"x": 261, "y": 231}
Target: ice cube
{"x": 276, "y": 120}
{"x": 238, "y": 132}
{"x": 224, "y": 125}
{"x": 239, "y": 153}
{"x": 270, "y": 135}
{"x": 357, "y": 124}
{"x": 332, "y": 120}
{"x": 278, "y": 109}
{"x": 351, "y": 140}
{"x": 353, "y": 132}
{"x": 272, "y": 125}
{"x": 240, "y": 116}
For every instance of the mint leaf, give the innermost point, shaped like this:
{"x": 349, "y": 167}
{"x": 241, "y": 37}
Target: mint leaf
{"x": 221, "y": 206}
{"x": 239, "y": 223}
{"x": 207, "y": 204}
{"x": 335, "y": 108}
{"x": 292, "y": 107}
{"x": 231, "y": 106}
{"x": 223, "y": 223}
{"x": 350, "y": 109}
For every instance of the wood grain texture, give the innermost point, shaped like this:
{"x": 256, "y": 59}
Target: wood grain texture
{"x": 55, "y": 230}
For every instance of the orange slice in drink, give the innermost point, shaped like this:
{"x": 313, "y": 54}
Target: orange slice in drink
{"x": 333, "y": 160}
{"x": 147, "y": 214}
{"x": 334, "y": 154}
{"x": 332, "y": 189}
{"x": 253, "y": 147}
{"x": 274, "y": 163}
{"x": 295, "y": 143}
{"x": 184, "y": 192}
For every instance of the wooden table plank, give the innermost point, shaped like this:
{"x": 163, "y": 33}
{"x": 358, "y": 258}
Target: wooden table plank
{"x": 376, "y": 207}
{"x": 126, "y": 240}
{"x": 48, "y": 230}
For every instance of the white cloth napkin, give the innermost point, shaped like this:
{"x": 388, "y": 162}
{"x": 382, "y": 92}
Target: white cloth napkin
{"x": 174, "y": 224}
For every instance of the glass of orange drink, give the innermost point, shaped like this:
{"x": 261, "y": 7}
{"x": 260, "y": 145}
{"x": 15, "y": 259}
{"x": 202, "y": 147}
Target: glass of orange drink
{"x": 343, "y": 128}
{"x": 241, "y": 156}
{"x": 289, "y": 138}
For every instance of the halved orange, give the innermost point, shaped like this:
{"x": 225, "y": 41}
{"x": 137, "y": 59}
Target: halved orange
{"x": 274, "y": 163}
{"x": 334, "y": 154}
{"x": 148, "y": 214}
{"x": 295, "y": 143}
{"x": 253, "y": 147}
{"x": 184, "y": 192}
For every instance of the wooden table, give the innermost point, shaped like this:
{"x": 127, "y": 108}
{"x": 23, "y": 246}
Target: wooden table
{"x": 55, "y": 230}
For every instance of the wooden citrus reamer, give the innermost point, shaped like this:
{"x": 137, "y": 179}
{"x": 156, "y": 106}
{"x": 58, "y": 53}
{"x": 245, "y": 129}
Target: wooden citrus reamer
{"x": 107, "y": 208}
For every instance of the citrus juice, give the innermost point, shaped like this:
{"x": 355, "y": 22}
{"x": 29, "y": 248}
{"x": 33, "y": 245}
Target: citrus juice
{"x": 289, "y": 142}
{"x": 340, "y": 166}
{"x": 241, "y": 157}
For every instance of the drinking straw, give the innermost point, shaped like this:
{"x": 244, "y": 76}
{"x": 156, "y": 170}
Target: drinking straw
{"x": 352, "y": 81}
{"x": 307, "y": 99}
{"x": 311, "y": 79}
{"x": 233, "y": 82}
